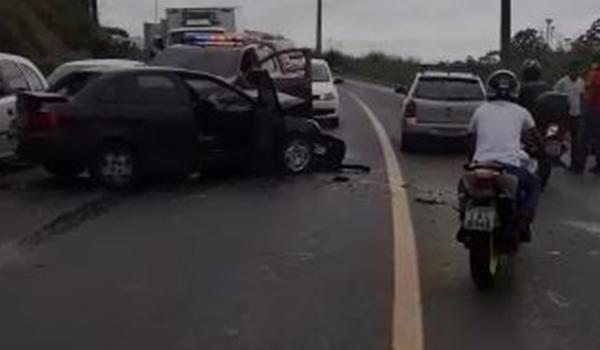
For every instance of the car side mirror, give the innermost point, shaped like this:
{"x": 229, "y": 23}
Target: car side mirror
{"x": 338, "y": 81}
{"x": 401, "y": 89}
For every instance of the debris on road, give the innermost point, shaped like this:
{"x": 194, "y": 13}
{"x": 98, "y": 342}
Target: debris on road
{"x": 341, "y": 179}
{"x": 431, "y": 199}
{"x": 70, "y": 220}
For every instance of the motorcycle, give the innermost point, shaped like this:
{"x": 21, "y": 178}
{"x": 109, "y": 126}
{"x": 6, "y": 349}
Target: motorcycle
{"x": 554, "y": 149}
{"x": 489, "y": 219}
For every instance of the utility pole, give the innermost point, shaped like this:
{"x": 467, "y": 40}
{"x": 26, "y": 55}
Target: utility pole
{"x": 92, "y": 7}
{"x": 319, "y": 48}
{"x": 506, "y": 30}
{"x": 156, "y": 11}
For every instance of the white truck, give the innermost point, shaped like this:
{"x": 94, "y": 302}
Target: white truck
{"x": 182, "y": 25}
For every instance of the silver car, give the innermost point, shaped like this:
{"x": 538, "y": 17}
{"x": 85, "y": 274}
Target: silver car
{"x": 440, "y": 104}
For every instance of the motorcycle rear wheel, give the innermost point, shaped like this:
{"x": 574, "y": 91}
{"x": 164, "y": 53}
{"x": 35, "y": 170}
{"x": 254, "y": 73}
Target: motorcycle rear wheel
{"x": 484, "y": 260}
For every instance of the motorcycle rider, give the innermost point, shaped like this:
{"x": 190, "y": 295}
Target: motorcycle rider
{"x": 532, "y": 86}
{"x": 497, "y": 130}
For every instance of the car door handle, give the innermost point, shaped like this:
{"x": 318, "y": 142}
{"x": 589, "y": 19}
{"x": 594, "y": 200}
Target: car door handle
{"x": 10, "y": 112}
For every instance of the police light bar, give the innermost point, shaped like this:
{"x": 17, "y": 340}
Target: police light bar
{"x": 209, "y": 39}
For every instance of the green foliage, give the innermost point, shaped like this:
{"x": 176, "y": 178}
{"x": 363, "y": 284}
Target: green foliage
{"x": 528, "y": 44}
{"x": 376, "y": 65}
{"x": 587, "y": 46}
{"x": 50, "y": 32}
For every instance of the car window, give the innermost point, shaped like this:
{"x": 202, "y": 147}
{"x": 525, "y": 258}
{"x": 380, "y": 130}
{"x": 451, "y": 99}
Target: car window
{"x": 13, "y": 78}
{"x": 249, "y": 61}
{"x": 35, "y": 83}
{"x": 268, "y": 65}
{"x": 220, "y": 96}
{"x": 320, "y": 73}
{"x": 445, "y": 89}
{"x": 151, "y": 90}
{"x": 73, "y": 83}
{"x": 293, "y": 64}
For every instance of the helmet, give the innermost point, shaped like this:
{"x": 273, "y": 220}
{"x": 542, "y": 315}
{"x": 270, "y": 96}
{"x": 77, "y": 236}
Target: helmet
{"x": 504, "y": 84}
{"x": 532, "y": 70}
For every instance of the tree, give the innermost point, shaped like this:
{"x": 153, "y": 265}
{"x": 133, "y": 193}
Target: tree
{"x": 588, "y": 44}
{"x": 529, "y": 43}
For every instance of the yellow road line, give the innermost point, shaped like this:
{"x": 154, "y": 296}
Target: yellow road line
{"x": 407, "y": 326}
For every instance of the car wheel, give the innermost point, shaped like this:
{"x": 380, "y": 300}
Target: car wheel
{"x": 335, "y": 122}
{"x": 64, "y": 171}
{"x": 407, "y": 143}
{"x": 297, "y": 154}
{"x": 117, "y": 167}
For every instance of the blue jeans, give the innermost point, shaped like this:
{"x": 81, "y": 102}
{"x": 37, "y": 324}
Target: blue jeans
{"x": 529, "y": 190}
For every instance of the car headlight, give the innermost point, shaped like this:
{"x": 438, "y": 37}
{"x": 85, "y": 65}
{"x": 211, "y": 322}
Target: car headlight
{"x": 330, "y": 96}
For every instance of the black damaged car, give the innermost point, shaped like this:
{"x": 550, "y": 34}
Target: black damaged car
{"x": 125, "y": 126}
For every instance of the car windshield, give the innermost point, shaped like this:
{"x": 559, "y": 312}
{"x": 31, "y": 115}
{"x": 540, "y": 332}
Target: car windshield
{"x": 449, "y": 89}
{"x": 320, "y": 73}
{"x": 222, "y": 62}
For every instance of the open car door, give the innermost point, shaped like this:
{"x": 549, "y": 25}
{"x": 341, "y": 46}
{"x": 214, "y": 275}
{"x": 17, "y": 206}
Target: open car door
{"x": 292, "y": 76}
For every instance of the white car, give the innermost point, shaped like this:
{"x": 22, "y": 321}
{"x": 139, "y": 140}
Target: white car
{"x": 76, "y": 66}
{"x": 17, "y": 74}
{"x": 326, "y": 99}
{"x": 439, "y": 105}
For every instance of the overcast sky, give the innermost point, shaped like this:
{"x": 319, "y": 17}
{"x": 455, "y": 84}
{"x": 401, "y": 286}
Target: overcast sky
{"x": 426, "y": 29}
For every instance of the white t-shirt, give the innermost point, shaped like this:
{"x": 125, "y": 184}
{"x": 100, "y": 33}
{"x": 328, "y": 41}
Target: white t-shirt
{"x": 574, "y": 90}
{"x": 499, "y": 126}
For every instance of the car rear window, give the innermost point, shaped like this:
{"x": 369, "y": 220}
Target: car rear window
{"x": 445, "y": 89}
{"x": 73, "y": 83}
{"x": 320, "y": 73}
{"x": 224, "y": 63}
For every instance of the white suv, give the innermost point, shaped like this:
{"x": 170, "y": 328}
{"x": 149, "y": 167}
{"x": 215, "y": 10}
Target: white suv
{"x": 440, "y": 105}
{"x": 17, "y": 74}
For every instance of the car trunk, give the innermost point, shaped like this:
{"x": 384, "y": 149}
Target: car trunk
{"x": 446, "y": 112}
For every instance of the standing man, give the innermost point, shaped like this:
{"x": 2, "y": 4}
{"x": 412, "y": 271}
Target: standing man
{"x": 593, "y": 112}
{"x": 573, "y": 86}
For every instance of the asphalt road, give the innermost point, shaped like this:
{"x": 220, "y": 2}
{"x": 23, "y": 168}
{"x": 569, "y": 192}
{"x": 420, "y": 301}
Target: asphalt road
{"x": 296, "y": 263}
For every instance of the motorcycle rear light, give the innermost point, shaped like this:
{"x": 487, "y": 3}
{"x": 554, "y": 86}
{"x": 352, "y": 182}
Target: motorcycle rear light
{"x": 486, "y": 178}
{"x": 411, "y": 109}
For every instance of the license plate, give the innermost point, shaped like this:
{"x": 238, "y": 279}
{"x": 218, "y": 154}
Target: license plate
{"x": 554, "y": 148}
{"x": 480, "y": 219}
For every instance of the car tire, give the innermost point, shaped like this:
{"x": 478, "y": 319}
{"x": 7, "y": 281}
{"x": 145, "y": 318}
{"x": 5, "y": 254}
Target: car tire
{"x": 407, "y": 143}
{"x": 117, "y": 167}
{"x": 64, "y": 171}
{"x": 335, "y": 122}
{"x": 297, "y": 155}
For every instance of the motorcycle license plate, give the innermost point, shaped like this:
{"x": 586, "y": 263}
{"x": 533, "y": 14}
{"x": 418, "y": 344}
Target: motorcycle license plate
{"x": 480, "y": 219}
{"x": 554, "y": 148}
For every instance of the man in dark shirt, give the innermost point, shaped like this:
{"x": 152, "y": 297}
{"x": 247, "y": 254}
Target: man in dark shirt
{"x": 532, "y": 87}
